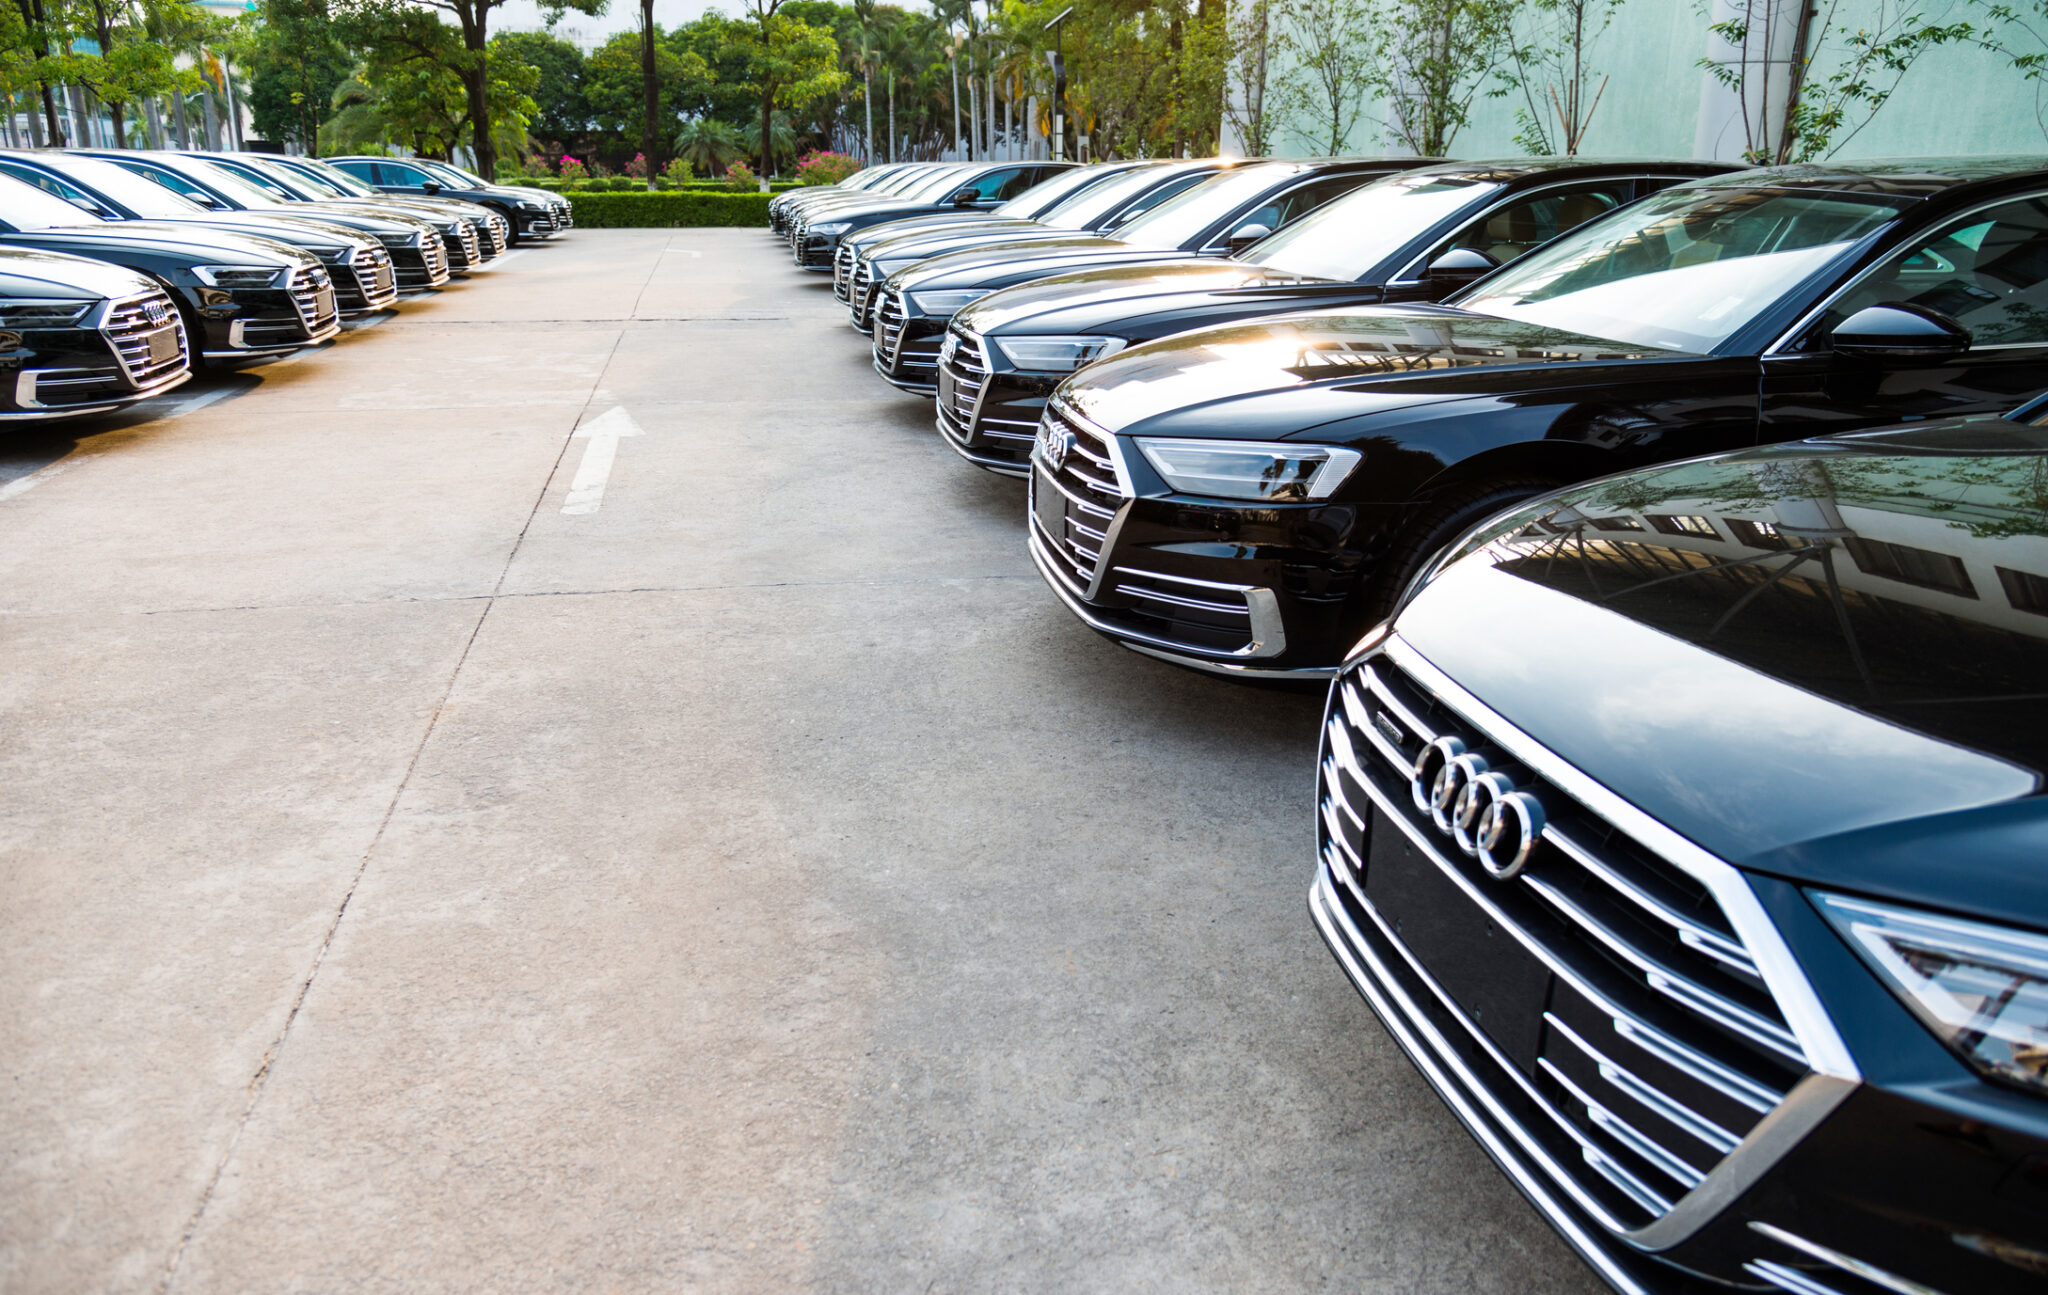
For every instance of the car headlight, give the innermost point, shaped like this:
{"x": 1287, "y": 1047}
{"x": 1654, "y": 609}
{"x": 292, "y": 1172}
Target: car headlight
{"x": 1982, "y": 989}
{"x": 524, "y": 205}
{"x": 40, "y": 313}
{"x": 238, "y": 276}
{"x": 942, "y": 304}
{"x": 1248, "y": 470}
{"x": 1054, "y": 354}
{"x": 834, "y": 229}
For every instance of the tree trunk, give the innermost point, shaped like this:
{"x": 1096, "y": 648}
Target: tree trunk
{"x": 767, "y": 124}
{"x": 867, "y": 103}
{"x": 650, "y": 87}
{"x": 212, "y": 120}
{"x": 180, "y": 126}
{"x": 32, "y": 14}
{"x": 152, "y": 124}
{"x": 953, "y": 57}
{"x": 892, "y": 114}
{"x": 35, "y": 130}
{"x": 476, "y": 82}
{"x": 105, "y": 35}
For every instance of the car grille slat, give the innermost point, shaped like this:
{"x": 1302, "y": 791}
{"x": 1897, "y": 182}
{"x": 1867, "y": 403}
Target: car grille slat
{"x": 304, "y": 286}
{"x": 1661, "y": 1048}
{"x": 1084, "y": 500}
{"x": 842, "y": 272}
{"x": 889, "y": 321}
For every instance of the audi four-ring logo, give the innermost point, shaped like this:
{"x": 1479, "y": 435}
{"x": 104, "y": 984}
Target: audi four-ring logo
{"x": 1054, "y": 444}
{"x": 1476, "y": 806}
{"x": 156, "y": 312}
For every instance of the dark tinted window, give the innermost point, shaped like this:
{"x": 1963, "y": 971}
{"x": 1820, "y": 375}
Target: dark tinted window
{"x": 1988, "y": 271}
{"x": 1517, "y": 228}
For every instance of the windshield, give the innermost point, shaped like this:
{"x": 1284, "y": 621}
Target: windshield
{"x": 938, "y": 184}
{"x": 23, "y": 206}
{"x": 294, "y": 180}
{"x": 222, "y": 180}
{"x": 1092, "y": 206}
{"x": 1350, "y": 237}
{"x": 1049, "y": 193}
{"x": 146, "y": 198}
{"x": 256, "y": 175}
{"x": 1182, "y": 219}
{"x": 450, "y": 172}
{"x": 339, "y": 178}
{"x": 1684, "y": 269}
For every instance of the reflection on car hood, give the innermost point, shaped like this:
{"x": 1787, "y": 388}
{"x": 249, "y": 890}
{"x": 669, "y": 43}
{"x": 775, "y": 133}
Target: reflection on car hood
{"x": 1004, "y": 255}
{"x": 200, "y": 242}
{"x": 1120, "y": 283}
{"x": 25, "y": 272}
{"x": 1390, "y": 350}
{"x": 1823, "y": 659}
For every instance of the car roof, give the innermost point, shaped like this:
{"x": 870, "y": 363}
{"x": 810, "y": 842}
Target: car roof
{"x": 1911, "y": 177}
{"x": 1505, "y": 170}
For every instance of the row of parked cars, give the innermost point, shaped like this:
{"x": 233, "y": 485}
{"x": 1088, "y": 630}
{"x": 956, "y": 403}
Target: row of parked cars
{"x": 1675, "y": 538}
{"x": 122, "y": 271}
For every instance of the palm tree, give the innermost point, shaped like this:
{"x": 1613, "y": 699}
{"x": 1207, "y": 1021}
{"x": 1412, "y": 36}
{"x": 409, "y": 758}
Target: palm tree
{"x": 896, "y": 48}
{"x": 867, "y": 56}
{"x": 709, "y": 145}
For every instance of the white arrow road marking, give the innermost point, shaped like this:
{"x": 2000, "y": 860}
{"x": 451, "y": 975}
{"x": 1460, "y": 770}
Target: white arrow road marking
{"x": 586, "y": 492}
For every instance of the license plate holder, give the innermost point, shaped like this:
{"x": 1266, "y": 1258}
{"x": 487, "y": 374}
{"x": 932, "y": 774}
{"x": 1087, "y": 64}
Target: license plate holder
{"x": 1048, "y": 505}
{"x": 163, "y": 346}
{"x": 1488, "y": 973}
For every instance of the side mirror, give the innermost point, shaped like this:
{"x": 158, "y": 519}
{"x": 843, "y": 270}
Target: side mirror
{"x": 1244, "y": 237}
{"x": 208, "y": 201}
{"x": 1900, "y": 332}
{"x": 1459, "y": 266}
{"x": 431, "y": 187}
{"x": 967, "y": 197}
{"x": 90, "y": 207}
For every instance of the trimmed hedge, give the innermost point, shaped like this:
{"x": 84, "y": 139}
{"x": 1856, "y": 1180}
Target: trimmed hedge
{"x": 644, "y": 210}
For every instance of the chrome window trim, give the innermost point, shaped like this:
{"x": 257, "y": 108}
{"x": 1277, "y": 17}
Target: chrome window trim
{"x": 1806, "y": 320}
{"x": 1810, "y": 1023}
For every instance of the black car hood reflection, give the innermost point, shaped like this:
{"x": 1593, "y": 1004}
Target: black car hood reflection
{"x": 1326, "y": 365}
{"x": 1120, "y": 289}
{"x": 1809, "y": 658}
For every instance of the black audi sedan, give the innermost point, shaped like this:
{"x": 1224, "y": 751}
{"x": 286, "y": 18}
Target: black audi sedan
{"x": 1391, "y": 240}
{"x": 356, "y": 260}
{"x": 868, "y": 177}
{"x": 1223, "y": 214}
{"x": 532, "y": 214}
{"x": 1100, "y": 209}
{"x": 1248, "y": 498}
{"x": 1686, "y": 829}
{"x": 982, "y": 188}
{"x": 83, "y": 337}
{"x": 242, "y": 297}
{"x": 490, "y": 233}
{"x": 421, "y": 260}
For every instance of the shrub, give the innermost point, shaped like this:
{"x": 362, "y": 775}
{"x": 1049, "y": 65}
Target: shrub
{"x": 637, "y": 168}
{"x": 506, "y": 169}
{"x": 643, "y": 210}
{"x": 572, "y": 170}
{"x": 740, "y": 178}
{"x": 821, "y": 167}
{"x": 678, "y": 172}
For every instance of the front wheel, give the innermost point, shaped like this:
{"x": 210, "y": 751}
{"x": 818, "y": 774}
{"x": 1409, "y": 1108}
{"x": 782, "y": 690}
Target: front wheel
{"x": 1442, "y": 520}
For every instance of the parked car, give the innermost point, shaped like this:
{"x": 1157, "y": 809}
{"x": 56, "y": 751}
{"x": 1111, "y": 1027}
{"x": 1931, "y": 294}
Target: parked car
{"x": 1222, "y": 214}
{"x": 421, "y": 261}
{"x": 864, "y": 179}
{"x": 356, "y": 260}
{"x": 83, "y": 337}
{"x": 531, "y": 213}
{"x": 242, "y": 297}
{"x": 1281, "y": 481}
{"x": 930, "y": 191}
{"x": 901, "y": 179}
{"x": 978, "y": 190}
{"x": 1098, "y": 210}
{"x": 1386, "y": 241}
{"x": 1685, "y": 828}
{"x": 493, "y": 233}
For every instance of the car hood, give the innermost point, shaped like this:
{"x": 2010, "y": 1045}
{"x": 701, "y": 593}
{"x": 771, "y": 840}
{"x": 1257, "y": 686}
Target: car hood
{"x": 1302, "y": 370}
{"x": 931, "y": 222}
{"x": 907, "y": 250}
{"x": 25, "y": 272}
{"x": 1821, "y": 660}
{"x": 199, "y": 243}
{"x": 1116, "y": 290}
{"x": 310, "y": 229}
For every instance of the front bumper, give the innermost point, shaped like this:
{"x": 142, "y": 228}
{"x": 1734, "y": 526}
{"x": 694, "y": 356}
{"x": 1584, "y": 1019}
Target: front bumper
{"x": 1234, "y": 589}
{"x": 814, "y": 251}
{"x": 258, "y": 322}
{"x": 1932, "y": 1183}
{"x": 132, "y": 349}
{"x": 422, "y": 268}
{"x": 989, "y": 416}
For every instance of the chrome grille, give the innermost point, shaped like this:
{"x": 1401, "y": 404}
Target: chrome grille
{"x": 500, "y": 231}
{"x": 1072, "y": 522}
{"x": 963, "y": 372}
{"x": 889, "y": 320}
{"x": 1659, "y": 1048}
{"x": 471, "y": 249}
{"x": 434, "y": 252}
{"x": 565, "y": 216}
{"x": 375, "y": 279}
{"x": 1200, "y": 614}
{"x": 312, "y": 295}
{"x": 842, "y": 271}
{"x": 133, "y": 326}
{"x": 861, "y": 295}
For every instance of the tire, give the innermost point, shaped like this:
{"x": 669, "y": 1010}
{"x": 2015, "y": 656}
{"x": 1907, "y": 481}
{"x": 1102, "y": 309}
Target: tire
{"x": 513, "y": 238}
{"x": 1442, "y": 520}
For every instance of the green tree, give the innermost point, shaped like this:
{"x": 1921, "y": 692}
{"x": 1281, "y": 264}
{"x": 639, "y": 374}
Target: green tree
{"x": 614, "y": 87}
{"x": 1549, "y": 65}
{"x": 412, "y": 87}
{"x": 1432, "y": 58}
{"x": 1328, "y": 47}
{"x": 710, "y": 145}
{"x": 295, "y": 67}
{"x": 561, "y": 110}
{"x": 788, "y": 64}
{"x": 124, "y": 52}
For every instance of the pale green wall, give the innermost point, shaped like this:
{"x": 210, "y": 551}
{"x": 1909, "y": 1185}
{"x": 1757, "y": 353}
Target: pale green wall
{"x": 1954, "y": 100}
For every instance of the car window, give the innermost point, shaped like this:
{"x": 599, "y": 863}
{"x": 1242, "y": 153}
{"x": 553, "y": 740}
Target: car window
{"x": 1684, "y": 269}
{"x": 1515, "y": 229}
{"x": 397, "y": 173}
{"x": 1002, "y": 185}
{"x": 360, "y": 170}
{"x": 1988, "y": 271}
{"x": 49, "y": 184}
{"x": 1052, "y": 191}
{"x": 257, "y": 178}
{"x": 177, "y": 184}
{"x": 1177, "y": 221}
{"x": 1296, "y": 203}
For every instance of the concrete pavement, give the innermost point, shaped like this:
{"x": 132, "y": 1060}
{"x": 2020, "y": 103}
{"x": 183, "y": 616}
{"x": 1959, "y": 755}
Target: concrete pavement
{"x": 758, "y": 883}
